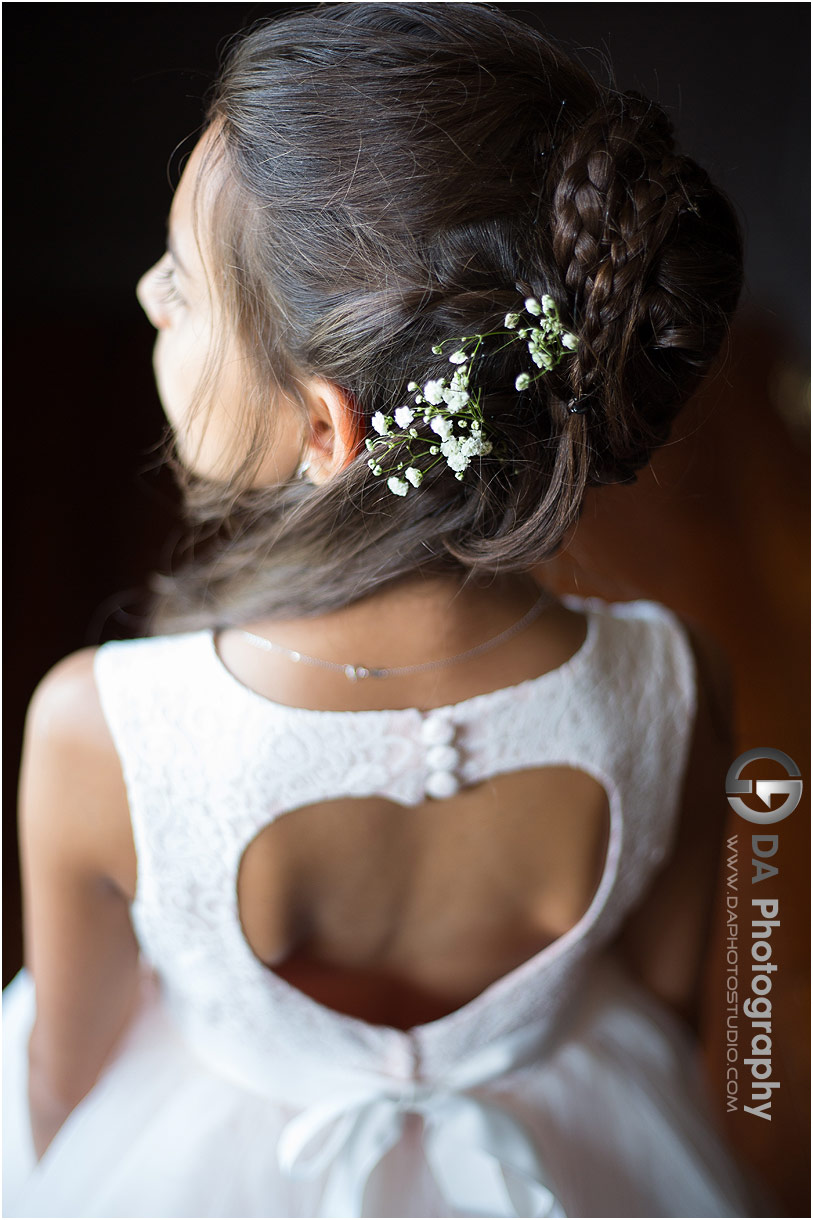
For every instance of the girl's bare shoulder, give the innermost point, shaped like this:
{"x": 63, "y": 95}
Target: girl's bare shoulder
{"x": 66, "y": 699}
{"x": 71, "y": 778}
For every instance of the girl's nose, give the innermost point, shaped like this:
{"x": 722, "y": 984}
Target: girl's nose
{"x": 149, "y": 300}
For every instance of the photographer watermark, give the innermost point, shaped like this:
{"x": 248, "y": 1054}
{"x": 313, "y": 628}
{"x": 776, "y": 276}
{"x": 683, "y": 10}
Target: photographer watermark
{"x": 762, "y": 911}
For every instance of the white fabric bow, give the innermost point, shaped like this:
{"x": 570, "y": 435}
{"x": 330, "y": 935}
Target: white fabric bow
{"x": 468, "y": 1141}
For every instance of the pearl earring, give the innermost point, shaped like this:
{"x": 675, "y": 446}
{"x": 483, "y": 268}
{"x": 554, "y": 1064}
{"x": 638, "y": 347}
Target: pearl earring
{"x": 302, "y": 468}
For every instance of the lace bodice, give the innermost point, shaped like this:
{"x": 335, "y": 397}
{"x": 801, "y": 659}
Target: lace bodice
{"x": 208, "y": 763}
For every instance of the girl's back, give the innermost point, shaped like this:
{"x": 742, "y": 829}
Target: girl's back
{"x": 459, "y": 936}
{"x": 403, "y": 918}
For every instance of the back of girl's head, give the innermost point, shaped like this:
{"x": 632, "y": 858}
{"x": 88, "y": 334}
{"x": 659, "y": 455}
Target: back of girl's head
{"x": 398, "y": 174}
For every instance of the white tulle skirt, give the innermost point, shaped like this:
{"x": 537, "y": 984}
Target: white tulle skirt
{"x": 620, "y": 1109}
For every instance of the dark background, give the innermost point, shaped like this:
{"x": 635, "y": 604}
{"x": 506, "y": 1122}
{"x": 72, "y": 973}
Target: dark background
{"x": 103, "y": 101}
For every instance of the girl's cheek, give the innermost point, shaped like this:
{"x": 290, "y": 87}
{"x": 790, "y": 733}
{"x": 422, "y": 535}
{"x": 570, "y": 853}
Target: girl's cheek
{"x": 170, "y": 378}
{"x": 159, "y": 369}
{"x": 178, "y": 356}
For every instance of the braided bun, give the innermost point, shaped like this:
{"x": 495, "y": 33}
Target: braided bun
{"x": 650, "y": 256}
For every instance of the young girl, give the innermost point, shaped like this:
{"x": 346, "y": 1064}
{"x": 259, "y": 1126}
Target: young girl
{"x": 426, "y": 281}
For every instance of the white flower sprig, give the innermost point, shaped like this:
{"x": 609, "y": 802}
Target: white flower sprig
{"x": 547, "y": 339}
{"x": 451, "y": 406}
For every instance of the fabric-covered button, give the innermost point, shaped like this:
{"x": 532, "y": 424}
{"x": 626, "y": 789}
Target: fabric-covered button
{"x": 438, "y": 734}
{"x": 437, "y": 730}
{"x": 442, "y": 758}
{"x": 441, "y": 783}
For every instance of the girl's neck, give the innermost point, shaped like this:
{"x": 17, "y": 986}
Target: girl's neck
{"x": 409, "y": 623}
{"x": 430, "y": 620}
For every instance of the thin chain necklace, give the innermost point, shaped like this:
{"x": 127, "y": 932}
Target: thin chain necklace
{"x": 355, "y": 672}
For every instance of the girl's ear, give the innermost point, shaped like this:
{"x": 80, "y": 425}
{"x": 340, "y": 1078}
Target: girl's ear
{"x": 336, "y": 429}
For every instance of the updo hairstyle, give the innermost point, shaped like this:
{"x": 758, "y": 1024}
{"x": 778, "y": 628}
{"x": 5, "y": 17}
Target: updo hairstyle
{"x": 398, "y": 174}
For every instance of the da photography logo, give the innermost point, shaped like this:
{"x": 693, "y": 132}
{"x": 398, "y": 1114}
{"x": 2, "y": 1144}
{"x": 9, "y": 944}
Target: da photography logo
{"x": 750, "y": 970}
{"x": 791, "y": 789}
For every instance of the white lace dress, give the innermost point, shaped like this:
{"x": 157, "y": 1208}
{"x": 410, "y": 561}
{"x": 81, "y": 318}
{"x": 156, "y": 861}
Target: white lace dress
{"x": 563, "y": 1089}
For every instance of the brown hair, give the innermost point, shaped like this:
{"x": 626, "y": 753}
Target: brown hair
{"x": 397, "y": 174}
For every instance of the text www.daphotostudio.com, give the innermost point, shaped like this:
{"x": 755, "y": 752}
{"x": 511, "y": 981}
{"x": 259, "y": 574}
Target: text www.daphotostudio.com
{"x": 751, "y": 971}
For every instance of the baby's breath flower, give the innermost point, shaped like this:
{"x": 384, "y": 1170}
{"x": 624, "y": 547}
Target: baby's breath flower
{"x": 453, "y": 449}
{"x": 433, "y": 392}
{"x": 443, "y": 427}
{"x": 447, "y": 404}
{"x": 473, "y": 446}
{"x": 455, "y": 399}
{"x": 404, "y": 416}
{"x": 457, "y": 461}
